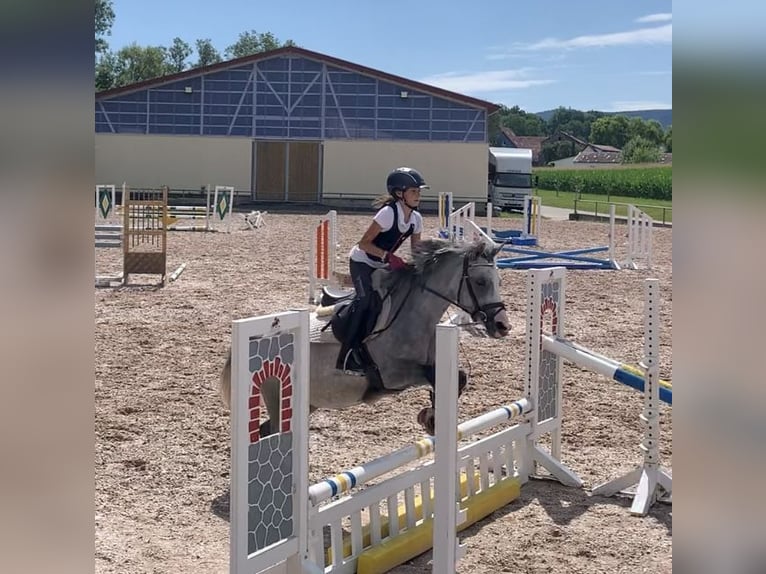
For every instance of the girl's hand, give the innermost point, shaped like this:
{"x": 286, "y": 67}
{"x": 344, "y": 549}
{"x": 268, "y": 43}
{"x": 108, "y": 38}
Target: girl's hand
{"x": 395, "y": 262}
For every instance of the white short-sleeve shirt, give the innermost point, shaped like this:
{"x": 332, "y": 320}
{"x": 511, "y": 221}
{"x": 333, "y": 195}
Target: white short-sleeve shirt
{"x": 385, "y": 218}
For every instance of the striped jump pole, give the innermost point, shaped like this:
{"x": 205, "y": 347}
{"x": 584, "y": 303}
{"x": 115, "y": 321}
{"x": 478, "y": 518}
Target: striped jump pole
{"x": 108, "y": 236}
{"x": 323, "y": 258}
{"x": 609, "y": 368}
{"x": 359, "y": 475}
{"x": 323, "y": 253}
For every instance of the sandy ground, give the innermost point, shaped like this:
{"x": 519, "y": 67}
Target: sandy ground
{"x": 162, "y": 435}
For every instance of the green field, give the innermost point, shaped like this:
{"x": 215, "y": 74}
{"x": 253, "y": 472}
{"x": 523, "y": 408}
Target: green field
{"x": 640, "y": 183}
{"x": 600, "y": 203}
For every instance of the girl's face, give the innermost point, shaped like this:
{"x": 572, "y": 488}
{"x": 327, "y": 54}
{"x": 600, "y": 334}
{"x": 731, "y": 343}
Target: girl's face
{"x": 411, "y": 196}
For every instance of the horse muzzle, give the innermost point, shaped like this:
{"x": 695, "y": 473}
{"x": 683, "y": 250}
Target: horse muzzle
{"x": 498, "y": 325}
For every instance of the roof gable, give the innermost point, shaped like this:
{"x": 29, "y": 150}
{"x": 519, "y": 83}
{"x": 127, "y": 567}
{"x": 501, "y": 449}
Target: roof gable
{"x": 302, "y": 52}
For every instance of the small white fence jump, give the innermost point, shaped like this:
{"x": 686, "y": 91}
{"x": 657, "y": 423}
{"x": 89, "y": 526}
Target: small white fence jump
{"x": 219, "y": 203}
{"x": 108, "y": 236}
{"x": 452, "y": 223}
{"x": 255, "y": 219}
{"x": 640, "y": 226}
{"x": 530, "y": 224}
{"x": 390, "y": 521}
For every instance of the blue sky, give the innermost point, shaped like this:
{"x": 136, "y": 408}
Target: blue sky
{"x": 604, "y": 55}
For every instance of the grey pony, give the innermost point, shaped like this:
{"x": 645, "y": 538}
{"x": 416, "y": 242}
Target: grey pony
{"x": 441, "y": 274}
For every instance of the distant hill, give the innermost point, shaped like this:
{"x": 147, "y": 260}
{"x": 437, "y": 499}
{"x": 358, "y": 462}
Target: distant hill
{"x": 665, "y": 117}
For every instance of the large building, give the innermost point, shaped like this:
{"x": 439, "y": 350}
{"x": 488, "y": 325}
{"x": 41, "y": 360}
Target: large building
{"x": 291, "y": 125}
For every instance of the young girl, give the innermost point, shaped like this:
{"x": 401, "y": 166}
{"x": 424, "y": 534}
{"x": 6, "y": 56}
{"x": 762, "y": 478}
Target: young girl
{"x": 396, "y": 220}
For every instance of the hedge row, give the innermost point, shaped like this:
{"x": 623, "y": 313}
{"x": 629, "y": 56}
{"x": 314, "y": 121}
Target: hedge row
{"x": 647, "y": 182}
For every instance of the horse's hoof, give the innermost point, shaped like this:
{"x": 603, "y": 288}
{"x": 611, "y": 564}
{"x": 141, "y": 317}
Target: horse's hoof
{"x": 427, "y": 419}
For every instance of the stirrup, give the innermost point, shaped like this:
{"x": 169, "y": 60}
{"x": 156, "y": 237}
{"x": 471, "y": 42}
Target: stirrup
{"x": 359, "y": 372}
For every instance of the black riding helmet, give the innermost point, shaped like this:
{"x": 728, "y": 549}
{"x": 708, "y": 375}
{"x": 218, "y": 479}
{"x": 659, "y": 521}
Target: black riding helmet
{"x": 403, "y": 178}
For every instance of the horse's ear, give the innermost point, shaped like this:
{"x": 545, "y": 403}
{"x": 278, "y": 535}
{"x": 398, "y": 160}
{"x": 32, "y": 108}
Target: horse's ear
{"x": 497, "y": 247}
{"x": 478, "y": 248}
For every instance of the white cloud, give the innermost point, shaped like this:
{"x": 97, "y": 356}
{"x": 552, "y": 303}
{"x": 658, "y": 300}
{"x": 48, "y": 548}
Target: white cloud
{"x": 490, "y": 81}
{"x": 656, "y": 35}
{"x": 665, "y": 17}
{"x": 632, "y": 105}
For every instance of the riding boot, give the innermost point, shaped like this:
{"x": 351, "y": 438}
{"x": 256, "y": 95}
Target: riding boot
{"x": 350, "y": 358}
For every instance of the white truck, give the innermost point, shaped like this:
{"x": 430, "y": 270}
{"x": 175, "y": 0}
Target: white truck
{"x": 509, "y": 177}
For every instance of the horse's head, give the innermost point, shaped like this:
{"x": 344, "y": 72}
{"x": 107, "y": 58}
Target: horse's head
{"x": 479, "y": 291}
{"x": 474, "y": 280}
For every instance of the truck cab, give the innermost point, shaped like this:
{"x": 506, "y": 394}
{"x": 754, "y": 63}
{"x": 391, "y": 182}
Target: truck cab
{"x": 509, "y": 177}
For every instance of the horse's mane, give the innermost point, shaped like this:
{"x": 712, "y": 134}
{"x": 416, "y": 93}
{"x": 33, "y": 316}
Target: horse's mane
{"x": 432, "y": 253}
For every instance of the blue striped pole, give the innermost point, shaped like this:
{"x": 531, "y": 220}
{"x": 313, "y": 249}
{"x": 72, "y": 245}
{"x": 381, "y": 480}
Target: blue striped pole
{"x": 599, "y": 364}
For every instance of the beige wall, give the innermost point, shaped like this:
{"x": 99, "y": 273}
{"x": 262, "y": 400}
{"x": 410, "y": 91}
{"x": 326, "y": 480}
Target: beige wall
{"x": 349, "y": 167}
{"x": 181, "y": 162}
{"x": 361, "y": 167}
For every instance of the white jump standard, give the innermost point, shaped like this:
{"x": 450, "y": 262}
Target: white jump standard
{"x": 546, "y": 289}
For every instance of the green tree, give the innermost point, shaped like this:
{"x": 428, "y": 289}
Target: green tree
{"x": 103, "y": 24}
{"x": 640, "y": 150}
{"x": 136, "y": 63}
{"x": 252, "y": 42}
{"x": 610, "y": 130}
{"x": 177, "y": 54}
{"x": 575, "y": 122}
{"x": 106, "y": 69}
{"x": 557, "y": 150}
{"x": 669, "y": 140}
{"x": 206, "y": 53}
{"x": 650, "y": 130}
{"x": 521, "y": 122}
{"x": 493, "y": 127}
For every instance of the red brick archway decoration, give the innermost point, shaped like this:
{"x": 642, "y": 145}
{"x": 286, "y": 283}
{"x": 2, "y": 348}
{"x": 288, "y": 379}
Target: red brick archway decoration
{"x": 549, "y": 306}
{"x": 275, "y": 368}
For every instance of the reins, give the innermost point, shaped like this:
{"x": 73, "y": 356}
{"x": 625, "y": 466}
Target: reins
{"x": 479, "y": 310}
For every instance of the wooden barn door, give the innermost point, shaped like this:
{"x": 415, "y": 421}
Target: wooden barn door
{"x": 303, "y": 171}
{"x": 269, "y": 177}
{"x": 286, "y": 171}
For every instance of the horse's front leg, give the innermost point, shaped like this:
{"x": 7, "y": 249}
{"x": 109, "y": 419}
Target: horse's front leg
{"x": 427, "y": 415}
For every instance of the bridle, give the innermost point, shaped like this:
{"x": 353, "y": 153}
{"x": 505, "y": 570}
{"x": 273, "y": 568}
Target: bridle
{"x": 480, "y": 313}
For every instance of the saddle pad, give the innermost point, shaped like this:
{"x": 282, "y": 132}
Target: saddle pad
{"x": 382, "y": 320}
{"x": 315, "y": 329}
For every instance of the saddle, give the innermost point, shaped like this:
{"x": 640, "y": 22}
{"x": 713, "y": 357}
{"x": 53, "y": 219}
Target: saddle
{"x": 332, "y": 296}
{"x": 346, "y": 317}
{"x": 350, "y": 329}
